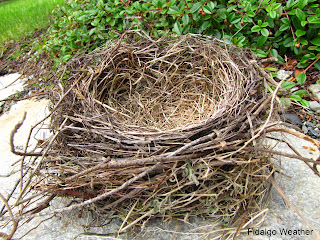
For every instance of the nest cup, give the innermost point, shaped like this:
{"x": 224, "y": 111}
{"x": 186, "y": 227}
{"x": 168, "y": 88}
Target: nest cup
{"x": 185, "y": 106}
{"x": 166, "y": 88}
{"x": 172, "y": 86}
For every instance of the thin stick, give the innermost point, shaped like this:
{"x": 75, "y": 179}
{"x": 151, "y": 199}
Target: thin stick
{"x": 128, "y": 215}
{"x": 264, "y": 125}
{"x": 39, "y": 162}
{"x": 15, "y": 222}
{"x": 13, "y": 132}
{"x": 96, "y": 199}
{"x": 311, "y": 64}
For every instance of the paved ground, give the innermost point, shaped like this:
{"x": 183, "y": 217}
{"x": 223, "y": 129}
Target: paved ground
{"x": 298, "y": 181}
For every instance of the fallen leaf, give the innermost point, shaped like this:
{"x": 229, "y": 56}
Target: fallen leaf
{"x": 292, "y": 79}
{"x": 297, "y": 72}
{"x": 291, "y": 65}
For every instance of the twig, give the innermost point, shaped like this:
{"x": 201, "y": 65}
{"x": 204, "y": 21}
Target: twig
{"x": 128, "y": 215}
{"x": 270, "y": 79}
{"x": 96, "y": 199}
{"x": 43, "y": 205}
{"x": 39, "y": 162}
{"x": 304, "y": 137}
{"x": 186, "y": 4}
{"x": 20, "y": 99}
{"x": 268, "y": 60}
{"x": 113, "y": 163}
{"x": 15, "y": 222}
{"x": 306, "y": 160}
{"x": 124, "y": 3}
{"x": 13, "y": 132}
{"x": 292, "y": 31}
{"x": 311, "y": 64}
{"x": 264, "y": 125}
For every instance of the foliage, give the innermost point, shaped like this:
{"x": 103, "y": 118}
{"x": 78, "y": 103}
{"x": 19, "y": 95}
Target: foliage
{"x": 268, "y": 27}
{"x": 21, "y": 17}
{"x": 299, "y": 94}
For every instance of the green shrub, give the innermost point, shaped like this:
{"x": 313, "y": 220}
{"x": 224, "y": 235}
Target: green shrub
{"x": 268, "y": 27}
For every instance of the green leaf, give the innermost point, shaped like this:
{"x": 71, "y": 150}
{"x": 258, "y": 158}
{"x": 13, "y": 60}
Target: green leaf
{"x": 295, "y": 97}
{"x": 174, "y": 10}
{"x": 301, "y": 78}
{"x": 315, "y": 21}
{"x": 196, "y": 17}
{"x": 288, "y": 42}
{"x": 251, "y": 14}
{"x": 301, "y": 92}
{"x": 316, "y": 41}
{"x": 92, "y": 31}
{"x": 288, "y": 85}
{"x": 304, "y": 42}
{"x": 272, "y": 69}
{"x": 283, "y": 28}
{"x": 205, "y": 25}
{"x": 297, "y": 51}
{"x": 212, "y": 5}
{"x": 280, "y": 60}
{"x": 270, "y": 22}
{"x": 300, "y": 14}
{"x": 255, "y": 28}
{"x": 177, "y": 28}
{"x": 66, "y": 58}
{"x": 302, "y": 3}
{"x": 286, "y": 21}
{"x": 317, "y": 65}
{"x": 196, "y": 7}
{"x": 236, "y": 20}
{"x": 261, "y": 40}
{"x": 222, "y": 13}
{"x": 300, "y": 33}
{"x": 276, "y": 6}
{"x": 207, "y": 10}
{"x": 261, "y": 54}
{"x": 185, "y": 19}
{"x": 265, "y": 32}
{"x": 308, "y": 56}
{"x": 273, "y": 14}
{"x": 290, "y": 3}
{"x": 303, "y": 23}
{"x": 304, "y": 103}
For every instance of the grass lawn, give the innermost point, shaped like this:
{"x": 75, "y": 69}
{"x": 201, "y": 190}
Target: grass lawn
{"x": 19, "y": 18}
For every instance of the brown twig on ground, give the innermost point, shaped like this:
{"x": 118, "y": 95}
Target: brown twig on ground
{"x": 22, "y": 98}
{"x": 311, "y": 64}
{"x": 15, "y": 222}
{"x": 13, "y": 132}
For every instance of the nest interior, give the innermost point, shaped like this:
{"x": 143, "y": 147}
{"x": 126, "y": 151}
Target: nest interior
{"x": 188, "y": 106}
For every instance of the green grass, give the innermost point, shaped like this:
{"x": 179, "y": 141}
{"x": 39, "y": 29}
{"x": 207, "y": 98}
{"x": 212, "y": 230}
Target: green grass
{"x": 18, "y": 18}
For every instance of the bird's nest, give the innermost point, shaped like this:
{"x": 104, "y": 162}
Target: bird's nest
{"x": 164, "y": 127}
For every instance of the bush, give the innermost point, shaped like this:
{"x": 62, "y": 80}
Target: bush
{"x": 268, "y": 27}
